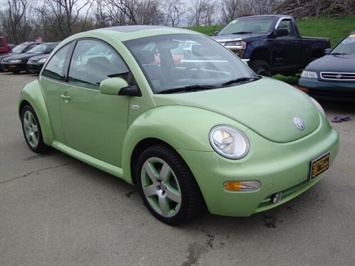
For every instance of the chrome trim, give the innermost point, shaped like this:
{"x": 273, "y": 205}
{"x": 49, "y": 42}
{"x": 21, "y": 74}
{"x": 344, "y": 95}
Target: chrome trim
{"x": 340, "y": 76}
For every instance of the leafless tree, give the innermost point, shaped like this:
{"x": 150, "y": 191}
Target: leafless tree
{"x": 230, "y": 9}
{"x": 65, "y": 16}
{"x": 259, "y": 7}
{"x": 201, "y": 13}
{"x": 100, "y": 15}
{"x": 173, "y": 12}
{"x": 15, "y": 21}
{"x": 316, "y": 8}
{"x": 134, "y": 12}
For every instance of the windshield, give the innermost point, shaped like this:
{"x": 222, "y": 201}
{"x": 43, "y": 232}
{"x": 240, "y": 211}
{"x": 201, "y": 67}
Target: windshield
{"x": 247, "y": 25}
{"x": 19, "y": 48}
{"x": 187, "y": 62}
{"x": 347, "y": 46}
{"x": 39, "y": 49}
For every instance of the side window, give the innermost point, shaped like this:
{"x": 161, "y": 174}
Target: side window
{"x": 92, "y": 62}
{"x": 55, "y": 67}
{"x": 286, "y": 24}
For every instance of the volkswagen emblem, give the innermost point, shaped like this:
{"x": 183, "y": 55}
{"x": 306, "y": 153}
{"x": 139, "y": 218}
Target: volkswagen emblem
{"x": 339, "y": 76}
{"x": 299, "y": 123}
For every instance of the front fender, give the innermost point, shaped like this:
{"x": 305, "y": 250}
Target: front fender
{"x": 181, "y": 127}
{"x": 32, "y": 94}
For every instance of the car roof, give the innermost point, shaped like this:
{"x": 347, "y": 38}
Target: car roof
{"x": 124, "y": 33}
{"x": 265, "y": 16}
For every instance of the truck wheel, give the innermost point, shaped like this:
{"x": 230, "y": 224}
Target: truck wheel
{"x": 167, "y": 186}
{"x": 260, "y": 67}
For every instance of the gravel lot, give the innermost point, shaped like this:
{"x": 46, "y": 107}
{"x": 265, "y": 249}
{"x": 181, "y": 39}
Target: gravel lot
{"x": 55, "y": 210}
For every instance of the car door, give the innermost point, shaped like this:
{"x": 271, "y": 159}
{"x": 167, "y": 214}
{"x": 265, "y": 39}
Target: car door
{"x": 286, "y": 50}
{"x": 93, "y": 123}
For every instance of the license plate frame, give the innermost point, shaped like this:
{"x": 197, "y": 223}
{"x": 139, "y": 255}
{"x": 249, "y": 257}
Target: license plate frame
{"x": 319, "y": 165}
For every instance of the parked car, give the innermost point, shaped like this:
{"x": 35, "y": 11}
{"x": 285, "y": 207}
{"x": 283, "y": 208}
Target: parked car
{"x": 332, "y": 76}
{"x": 18, "y": 63}
{"x": 188, "y": 137}
{"x": 35, "y": 63}
{"x": 271, "y": 44}
{"x": 4, "y": 46}
{"x": 18, "y": 49}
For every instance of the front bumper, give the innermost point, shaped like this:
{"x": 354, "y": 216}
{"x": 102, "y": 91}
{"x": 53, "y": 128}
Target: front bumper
{"x": 279, "y": 167}
{"x": 13, "y": 67}
{"x": 328, "y": 89}
{"x": 34, "y": 68}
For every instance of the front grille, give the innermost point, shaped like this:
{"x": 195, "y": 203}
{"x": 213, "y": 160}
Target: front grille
{"x": 340, "y": 76}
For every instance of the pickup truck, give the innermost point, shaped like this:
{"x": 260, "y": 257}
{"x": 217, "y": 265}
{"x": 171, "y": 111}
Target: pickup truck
{"x": 4, "y": 46}
{"x": 271, "y": 44}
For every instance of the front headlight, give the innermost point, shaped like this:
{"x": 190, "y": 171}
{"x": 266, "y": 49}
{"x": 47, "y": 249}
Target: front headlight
{"x": 309, "y": 74}
{"x": 229, "y": 142}
{"x": 15, "y": 61}
{"x": 237, "y": 44}
{"x": 42, "y": 60}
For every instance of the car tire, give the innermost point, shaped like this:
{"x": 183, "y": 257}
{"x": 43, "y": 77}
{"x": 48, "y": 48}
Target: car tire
{"x": 167, "y": 186}
{"x": 32, "y": 130}
{"x": 260, "y": 67}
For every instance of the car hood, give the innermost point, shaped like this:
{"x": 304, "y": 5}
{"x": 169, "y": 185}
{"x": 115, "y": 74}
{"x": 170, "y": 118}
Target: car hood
{"x": 39, "y": 57}
{"x": 268, "y": 107}
{"x": 23, "y": 56}
{"x": 234, "y": 37}
{"x": 333, "y": 63}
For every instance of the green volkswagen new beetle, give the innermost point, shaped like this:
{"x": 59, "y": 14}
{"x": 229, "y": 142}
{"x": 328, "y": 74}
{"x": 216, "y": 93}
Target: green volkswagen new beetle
{"x": 179, "y": 116}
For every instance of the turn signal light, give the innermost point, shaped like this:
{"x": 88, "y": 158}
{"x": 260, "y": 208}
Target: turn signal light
{"x": 303, "y": 89}
{"x": 241, "y": 185}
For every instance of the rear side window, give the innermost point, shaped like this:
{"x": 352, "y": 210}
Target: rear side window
{"x": 55, "y": 67}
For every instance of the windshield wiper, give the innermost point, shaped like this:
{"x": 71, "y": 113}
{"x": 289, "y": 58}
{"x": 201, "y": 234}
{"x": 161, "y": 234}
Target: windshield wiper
{"x": 242, "y": 32}
{"x": 240, "y": 80}
{"x": 190, "y": 88}
{"x": 338, "y": 53}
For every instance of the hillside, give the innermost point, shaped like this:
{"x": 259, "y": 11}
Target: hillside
{"x": 316, "y": 8}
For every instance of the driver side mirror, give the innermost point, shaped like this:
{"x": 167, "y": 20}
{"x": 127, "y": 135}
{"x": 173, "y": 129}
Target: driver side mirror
{"x": 281, "y": 32}
{"x": 118, "y": 86}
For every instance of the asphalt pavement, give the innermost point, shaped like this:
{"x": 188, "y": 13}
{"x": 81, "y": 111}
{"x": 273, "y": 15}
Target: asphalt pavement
{"x": 55, "y": 210}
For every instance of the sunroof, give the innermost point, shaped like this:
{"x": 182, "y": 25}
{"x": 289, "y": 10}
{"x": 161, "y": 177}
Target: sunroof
{"x": 133, "y": 28}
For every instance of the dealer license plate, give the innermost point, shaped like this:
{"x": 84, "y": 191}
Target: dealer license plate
{"x": 319, "y": 165}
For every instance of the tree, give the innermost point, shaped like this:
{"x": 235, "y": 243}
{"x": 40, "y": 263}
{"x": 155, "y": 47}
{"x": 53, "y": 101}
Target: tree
{"x": 63, "y": 16}
{"x": 201, "y": 13}
{"x": 230, "y": 9}
{"x": 259, "y": 7}
{"x": 134, "y": 12}
{"x": 173, "y": 12}
{"x": 15, "y": 22}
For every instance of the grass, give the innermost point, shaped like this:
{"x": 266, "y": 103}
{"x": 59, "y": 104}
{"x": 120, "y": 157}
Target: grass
{"x": 333, "y": 28}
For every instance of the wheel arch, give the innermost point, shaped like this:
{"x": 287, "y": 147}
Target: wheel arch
{"x": 261, "y": 54}
{"x": 33, "y": 97}
{"x": 162, "y": 125}
{"x": 139, "y": 148}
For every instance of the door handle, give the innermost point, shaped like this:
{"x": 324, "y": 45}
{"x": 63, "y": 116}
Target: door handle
{"x": 66, "y": 98}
